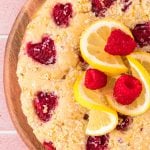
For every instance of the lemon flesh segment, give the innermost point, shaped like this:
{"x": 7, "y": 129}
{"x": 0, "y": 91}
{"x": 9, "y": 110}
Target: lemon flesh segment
{"x": 101, "y": 122}
{"x": 92, "y": 45}
{"x": 143, "y": 58}
{"x": 142, "y": 103}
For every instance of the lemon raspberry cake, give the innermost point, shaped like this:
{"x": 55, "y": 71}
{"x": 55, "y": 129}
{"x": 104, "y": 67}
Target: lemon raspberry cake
{"x": 83, "y": 69}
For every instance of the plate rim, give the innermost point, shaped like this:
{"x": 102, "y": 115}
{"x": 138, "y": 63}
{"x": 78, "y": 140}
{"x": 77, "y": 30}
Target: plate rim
{"x": 6, "y": 79}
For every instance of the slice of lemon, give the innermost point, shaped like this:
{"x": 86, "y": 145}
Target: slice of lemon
{"x": 106, "y": 118}
{"x": 101, "y": 122}
{"x": 92, "y": 44}
{"x": 143, "y": 57}
{"x": 142, "y": 103}
{"x": 91, "y": 99}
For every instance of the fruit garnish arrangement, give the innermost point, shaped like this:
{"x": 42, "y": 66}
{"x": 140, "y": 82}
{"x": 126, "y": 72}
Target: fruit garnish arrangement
{"x": 117, "y": 79}
{"x": 83, "y": 70}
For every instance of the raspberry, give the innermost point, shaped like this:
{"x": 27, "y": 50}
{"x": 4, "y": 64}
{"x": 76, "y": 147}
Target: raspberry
{"x": 44, "y": 105}
{"x": 141, "y": 33}
{"x": 126, "y": 4}
{"x": 62, "y": 13}
{"x": 97, "y": 142}
{"x": 95, "y": 79}
{"x": 119, "y": 43}
{"x": 108, "y": 3}
{"x": 127, "y": 88}
{"x": 43, "y": 52}
{"x": 124, "y": 122}
{"x": 48, "y": 146}
{"x": 99, "y": 7}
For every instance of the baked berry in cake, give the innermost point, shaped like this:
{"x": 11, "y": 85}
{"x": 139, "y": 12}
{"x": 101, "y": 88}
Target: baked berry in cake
{"x": 83, "y": 69}
{"x": 44, "y": 104}
{"x": 62, "y": 14}
{"x": 43, "y": 52}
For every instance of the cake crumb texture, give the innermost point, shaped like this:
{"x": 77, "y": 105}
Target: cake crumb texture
{"x": 66, "y": 128}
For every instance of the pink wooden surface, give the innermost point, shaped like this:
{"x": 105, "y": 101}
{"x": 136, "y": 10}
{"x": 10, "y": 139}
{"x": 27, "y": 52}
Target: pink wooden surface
{"x": 9, "y": 139}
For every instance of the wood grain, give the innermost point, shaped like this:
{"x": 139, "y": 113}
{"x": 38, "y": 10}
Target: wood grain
{"x": 11, "y": 87}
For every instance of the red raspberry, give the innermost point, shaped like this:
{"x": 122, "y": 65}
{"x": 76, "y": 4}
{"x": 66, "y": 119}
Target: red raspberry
{"x": 141, "y": 33}
{"x": 127, "y": 88}
{"x": 43, "y": 52}
{"x": 124, "y": 122}
{"x": 49, "y": 146}
{"x": 62, "y": 13}
{"x": 126, "y": 4}
{"x": 108, "y": 3}
{"x": 99, "y": 7}
{"x": 44, "y": 105}
{"x": 119, "y": 43}
{"x": 95, "y": 79}
{"x": 97, "y": 142}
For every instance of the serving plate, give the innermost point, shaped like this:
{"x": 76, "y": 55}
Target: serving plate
{"x": 11, "y": 86}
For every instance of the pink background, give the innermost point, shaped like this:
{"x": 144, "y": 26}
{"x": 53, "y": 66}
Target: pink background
{"x": 9, "y": 139}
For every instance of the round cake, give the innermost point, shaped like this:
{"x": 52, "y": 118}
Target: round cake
{"x": 50, "y": 62}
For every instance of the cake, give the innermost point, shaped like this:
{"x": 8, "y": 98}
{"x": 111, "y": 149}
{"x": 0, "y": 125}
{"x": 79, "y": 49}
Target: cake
{"x": 43, "y": 75}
